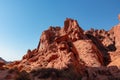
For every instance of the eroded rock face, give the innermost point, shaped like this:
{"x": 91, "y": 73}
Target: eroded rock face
{"x": 110, "y": 41}
{"x": 63, "y": 47}
{"x": 73, "y": 48}
{"x": 88, "y": 53}
{"x": 107, "y": 38}
{"x": 116, "y": 31}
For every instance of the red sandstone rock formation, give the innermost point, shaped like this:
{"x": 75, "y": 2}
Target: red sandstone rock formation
{"x": 91, "y": 54}
{"x": 111, "y": 42}
{"x": 60, "y": 47}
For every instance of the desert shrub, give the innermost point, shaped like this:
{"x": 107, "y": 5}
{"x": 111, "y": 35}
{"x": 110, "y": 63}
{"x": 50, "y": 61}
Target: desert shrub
{"x": 69, "y": 74}
{"x": 45, "y": 73}
{"x": 13, "y": 70}
{"x": 23, "y": 76}
{"x": 55, "y": 74}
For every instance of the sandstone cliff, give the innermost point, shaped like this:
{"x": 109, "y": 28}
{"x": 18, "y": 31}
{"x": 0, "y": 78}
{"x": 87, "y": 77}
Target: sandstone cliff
{"x": 86, "y": 55}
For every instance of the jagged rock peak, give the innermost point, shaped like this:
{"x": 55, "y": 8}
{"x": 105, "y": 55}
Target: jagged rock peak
{"x": 60, "y": 47}
{"x": 71, "y": 24}
{"x": 71, "y": 29}
{"x": 90, "y": 54}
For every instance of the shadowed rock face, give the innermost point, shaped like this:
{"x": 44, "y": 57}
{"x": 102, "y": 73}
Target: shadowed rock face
{"x": 72, "y": 48}
{"x": 2, "y": 62}
{"x": 63, "y": 47}
{"x": 110, "y": 41}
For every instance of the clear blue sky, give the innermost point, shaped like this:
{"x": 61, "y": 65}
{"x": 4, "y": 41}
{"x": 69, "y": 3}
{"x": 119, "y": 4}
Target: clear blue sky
{"x": 22, "y": 21}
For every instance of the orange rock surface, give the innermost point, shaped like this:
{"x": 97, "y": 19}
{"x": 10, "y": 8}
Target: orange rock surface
{"x": 93, "y": 54}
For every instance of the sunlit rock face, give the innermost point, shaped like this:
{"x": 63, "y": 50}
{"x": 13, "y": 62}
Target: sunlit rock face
{"x": 2, "y": 63}
{"x": 90, "y": 54}
{"x": 63, "y": 47}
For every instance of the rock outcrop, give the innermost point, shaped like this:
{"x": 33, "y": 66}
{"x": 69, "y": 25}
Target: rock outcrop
{"x": 2, "y": 63}
{"x": 91, "y": 55}
{"x": 116, "y": 31}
